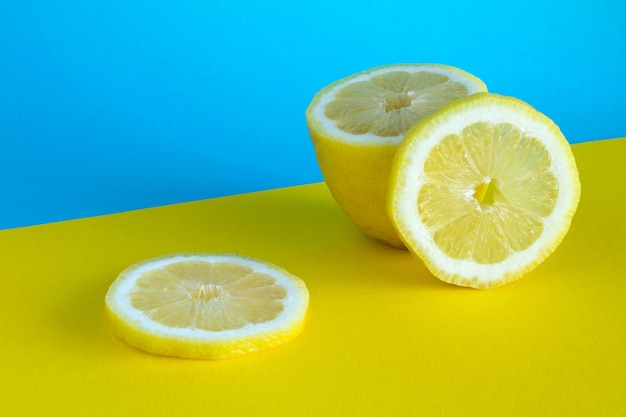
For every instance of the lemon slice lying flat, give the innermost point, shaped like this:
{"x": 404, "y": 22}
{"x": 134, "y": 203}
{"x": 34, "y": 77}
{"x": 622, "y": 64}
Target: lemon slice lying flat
{"x": 207, "y": 306}
{"x": 484, "y": 190}
{"x": 357, "y": 123}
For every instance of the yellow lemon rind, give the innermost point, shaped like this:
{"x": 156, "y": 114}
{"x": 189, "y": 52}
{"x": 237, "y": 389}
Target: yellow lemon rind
{"x": 357, "y": 187}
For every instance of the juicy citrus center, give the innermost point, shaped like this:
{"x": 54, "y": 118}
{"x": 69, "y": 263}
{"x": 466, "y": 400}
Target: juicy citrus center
{"x": 397, "y": 101}
{"x": 486, "y": 192}
{"x": 388, "y": 104}
{"x": 207, "y": 292}
{"x": 208, "y": 296}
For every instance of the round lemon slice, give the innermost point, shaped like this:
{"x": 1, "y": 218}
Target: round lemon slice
{"x": 357, "y": 123}
{"x": 206, "y": 306}
{"x": 484, "y": 190}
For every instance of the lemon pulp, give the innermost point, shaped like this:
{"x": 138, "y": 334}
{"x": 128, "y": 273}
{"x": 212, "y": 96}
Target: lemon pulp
{"x": 389, "y": 104}
{"x": 201, "y": 295}
{"x": 487, "y": 192}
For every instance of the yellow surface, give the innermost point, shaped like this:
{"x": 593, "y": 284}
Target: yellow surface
{"x": 383, "y": 336}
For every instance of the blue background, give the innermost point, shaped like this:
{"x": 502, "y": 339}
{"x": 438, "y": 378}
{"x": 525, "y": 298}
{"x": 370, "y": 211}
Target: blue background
{"x": 107, "y": 106}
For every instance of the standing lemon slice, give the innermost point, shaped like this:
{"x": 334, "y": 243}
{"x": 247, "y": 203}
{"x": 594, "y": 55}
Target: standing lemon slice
{"x": 357, "y": 123}
{"x": 484, "y": 190}
{"x": 206, "y": 306}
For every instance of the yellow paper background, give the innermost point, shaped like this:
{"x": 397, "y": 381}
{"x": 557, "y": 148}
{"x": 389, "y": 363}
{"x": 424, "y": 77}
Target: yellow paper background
{"x": 383, "y": 336}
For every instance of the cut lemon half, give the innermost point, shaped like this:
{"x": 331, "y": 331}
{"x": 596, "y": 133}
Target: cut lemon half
{"x": 206, "y": 306}
{"x": 484, "y": 190}
{"x": 357, "y": 123}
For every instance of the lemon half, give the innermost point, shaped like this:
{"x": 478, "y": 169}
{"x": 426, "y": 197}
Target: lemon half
{"x": 206, "y": 306}
{"x": 357, "y": 123}
{"x": 484, "y": 190}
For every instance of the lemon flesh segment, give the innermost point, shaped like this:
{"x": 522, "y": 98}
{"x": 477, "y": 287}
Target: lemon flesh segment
{"x": 388, "y": 104}
{"x": 357, "y": 123}
{"x": 484, "y": 191}
{"x": 206, "y": 306}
